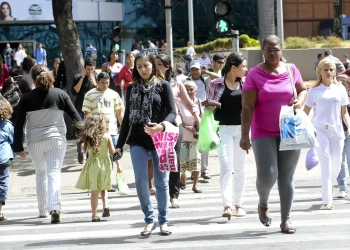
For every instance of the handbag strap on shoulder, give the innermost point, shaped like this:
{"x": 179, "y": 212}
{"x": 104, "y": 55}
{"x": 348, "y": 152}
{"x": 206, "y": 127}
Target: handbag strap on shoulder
{"x": 291, "y": 79}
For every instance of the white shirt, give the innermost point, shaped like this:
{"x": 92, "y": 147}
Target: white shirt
{"x": 204, "y": 61}
{"x": 190, "y": 51}
{"x": 327, "y": 103}
{"x": 201, "y": 93}
{"x": 182, "y": 78}
{"x": 19, "y": 56}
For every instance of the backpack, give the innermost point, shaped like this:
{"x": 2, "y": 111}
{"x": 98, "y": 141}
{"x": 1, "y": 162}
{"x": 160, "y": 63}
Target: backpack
{"x": 11, "y": 92}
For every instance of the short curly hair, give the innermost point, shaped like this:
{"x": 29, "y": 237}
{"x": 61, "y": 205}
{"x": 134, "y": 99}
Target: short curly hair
{"x": 5, "y": 109}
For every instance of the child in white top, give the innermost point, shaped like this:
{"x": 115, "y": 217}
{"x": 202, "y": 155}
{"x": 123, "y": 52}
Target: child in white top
{"x": 328, "y": 97}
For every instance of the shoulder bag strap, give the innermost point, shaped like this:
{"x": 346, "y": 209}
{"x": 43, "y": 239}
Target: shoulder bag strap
{"x": 292, "y": 81}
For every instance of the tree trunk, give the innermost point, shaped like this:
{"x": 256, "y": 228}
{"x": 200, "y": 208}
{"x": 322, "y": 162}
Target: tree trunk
{"x": 338, "y": 18}
{"x": 70, "y": 46}
{"x": 266, "y": 12}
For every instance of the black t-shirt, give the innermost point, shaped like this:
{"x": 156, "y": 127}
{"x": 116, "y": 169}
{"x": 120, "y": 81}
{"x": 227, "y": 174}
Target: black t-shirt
{"x": 86, "y": 86}
{"x": 231, "y": 107}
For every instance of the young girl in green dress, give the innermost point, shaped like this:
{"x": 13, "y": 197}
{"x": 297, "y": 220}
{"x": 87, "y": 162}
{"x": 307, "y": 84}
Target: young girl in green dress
{"x": 96, "y": 173}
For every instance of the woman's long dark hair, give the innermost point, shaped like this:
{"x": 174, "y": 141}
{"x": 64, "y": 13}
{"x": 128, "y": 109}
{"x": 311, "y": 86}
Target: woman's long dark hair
{"x": 169, "y": 74}
{"x": 234, "y": 59}
{"x": 135, "y": 73}
{"x": 1, "y": 15}
{"x": 110, "y": 53}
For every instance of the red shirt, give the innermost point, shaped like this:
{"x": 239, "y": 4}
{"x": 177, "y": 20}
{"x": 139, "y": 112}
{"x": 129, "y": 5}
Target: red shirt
{"x": 126, "y": 75}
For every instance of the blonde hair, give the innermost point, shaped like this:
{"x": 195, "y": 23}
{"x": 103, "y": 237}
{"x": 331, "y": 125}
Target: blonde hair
{"x": 344, "y": 79}
{"x": 93, "y": 130}
{"x": 5, "y": 109}
{"x": 319, "y": 68}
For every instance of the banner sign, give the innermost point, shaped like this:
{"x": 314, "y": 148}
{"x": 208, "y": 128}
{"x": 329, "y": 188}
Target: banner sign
{"x": 41, "y": 11}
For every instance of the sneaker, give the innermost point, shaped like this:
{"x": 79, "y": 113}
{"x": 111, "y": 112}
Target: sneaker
{"x": 55, "y": 216}
{"x": 205, "y": 176}
{"x": 342, "y": 194}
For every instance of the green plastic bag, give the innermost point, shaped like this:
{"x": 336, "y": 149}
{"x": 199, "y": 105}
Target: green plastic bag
{"x": 122, "y": 187}
{"x": 209, "y": 138}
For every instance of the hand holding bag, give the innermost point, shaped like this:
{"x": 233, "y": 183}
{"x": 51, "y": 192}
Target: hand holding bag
{"x": 209, "y": 138}
{"x": 296, "y": 129}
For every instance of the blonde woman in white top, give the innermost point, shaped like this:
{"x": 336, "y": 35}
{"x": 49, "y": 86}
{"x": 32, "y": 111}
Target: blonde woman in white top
{"x": 327, "y": 98}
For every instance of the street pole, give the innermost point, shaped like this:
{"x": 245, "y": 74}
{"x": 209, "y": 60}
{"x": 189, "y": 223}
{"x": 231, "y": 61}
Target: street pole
{"x": 280, "y": 28}
{"x": 190, "y": 21}
{"x": 235, "y": 41}
{"x": 169, "y": 30}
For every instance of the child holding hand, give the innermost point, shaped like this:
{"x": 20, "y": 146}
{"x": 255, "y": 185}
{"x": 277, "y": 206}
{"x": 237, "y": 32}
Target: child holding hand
{"x": 96, "y": 173}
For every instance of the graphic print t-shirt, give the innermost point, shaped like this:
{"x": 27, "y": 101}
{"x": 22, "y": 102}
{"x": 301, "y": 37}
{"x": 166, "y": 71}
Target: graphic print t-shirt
{"x": 106, "y": 103}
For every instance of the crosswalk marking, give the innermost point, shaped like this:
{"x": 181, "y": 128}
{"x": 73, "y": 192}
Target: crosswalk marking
{"x": 199, "y": 215}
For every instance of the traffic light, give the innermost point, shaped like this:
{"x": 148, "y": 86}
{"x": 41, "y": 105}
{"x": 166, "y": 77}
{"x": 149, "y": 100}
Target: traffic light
{"x": 222, "y": 13}
{"x": 117, "y": 39}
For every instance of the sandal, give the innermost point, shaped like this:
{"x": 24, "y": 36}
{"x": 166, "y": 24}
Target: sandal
{"x": 95, "y": 218}
{"x": 329, "y": 206}
{"x": 174, "y": 204}
{"x": 2, "y": 217}
{"x": 148, "y": 233}
{"x": 227, "y": 212}
{"x": 165, "y": 232}
{"x": 196, "y": 190}
{"x": 289, "y": 229}
{"x": 240, "y": 211}
{"x": 106, "y": 212}
{"x": 266, "y": 221}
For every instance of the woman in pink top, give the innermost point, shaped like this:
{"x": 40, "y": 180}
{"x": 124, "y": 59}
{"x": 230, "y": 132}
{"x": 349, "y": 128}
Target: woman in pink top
{"x": 125, "y": 75}
{"x": 163, "y": 64}
{"x": 266, "y": 89}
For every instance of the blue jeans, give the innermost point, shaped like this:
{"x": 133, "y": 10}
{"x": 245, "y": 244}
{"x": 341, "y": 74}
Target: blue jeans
{"x": 342, "y": 174}
{"x": 8, "y": 61}
{"x": 4, "y": 180}
{"x": 139, "y": 158}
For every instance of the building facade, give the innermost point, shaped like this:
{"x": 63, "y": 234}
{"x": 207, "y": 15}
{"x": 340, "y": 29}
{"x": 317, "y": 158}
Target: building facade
{"x": 307, "y": 18}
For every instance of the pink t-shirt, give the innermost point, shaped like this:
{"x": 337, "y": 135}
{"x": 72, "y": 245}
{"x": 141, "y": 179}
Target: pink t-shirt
{"x": 274, "y": 91}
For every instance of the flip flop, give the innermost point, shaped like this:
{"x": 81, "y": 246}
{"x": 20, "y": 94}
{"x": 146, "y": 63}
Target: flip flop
{"x": 95, "y": 219}
{"x": 267, "y": 221}
{"x": 152, "y": 191}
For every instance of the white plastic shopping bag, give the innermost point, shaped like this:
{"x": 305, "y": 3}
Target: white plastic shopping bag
{"x": 296, "y": 129}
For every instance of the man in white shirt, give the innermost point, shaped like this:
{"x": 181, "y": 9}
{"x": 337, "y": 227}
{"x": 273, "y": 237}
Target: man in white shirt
{"x": 190, "y": 53}
{"x": 204, "y": 60}
{"x": 20, "y": 55}
{"x": 152, "y": 47}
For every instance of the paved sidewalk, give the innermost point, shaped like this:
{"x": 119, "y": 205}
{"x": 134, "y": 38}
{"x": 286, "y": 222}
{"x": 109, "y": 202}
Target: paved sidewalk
{"x": 22, "y": 178}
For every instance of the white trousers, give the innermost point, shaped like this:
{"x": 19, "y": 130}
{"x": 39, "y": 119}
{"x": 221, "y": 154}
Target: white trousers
{"x": 232, "y": 159}
{"x": 330, "y": 154}
{"x": 47, "y": 157}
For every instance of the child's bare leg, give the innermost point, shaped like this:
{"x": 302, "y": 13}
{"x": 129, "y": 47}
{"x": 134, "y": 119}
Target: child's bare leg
{"x": 104, "y": 197}
{"x": 94, "y": 202}
{"x": 150, "y": 174}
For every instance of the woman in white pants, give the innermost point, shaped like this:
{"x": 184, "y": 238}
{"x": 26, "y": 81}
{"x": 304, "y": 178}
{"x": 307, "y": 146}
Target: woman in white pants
{"x": 328, "y": 97}
{"x": 43, "y": 109}
{"x": 228, "y": 91}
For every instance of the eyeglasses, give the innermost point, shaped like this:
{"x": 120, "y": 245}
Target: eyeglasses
{"x": 220, "y": 62}
{"x": 272, "y": 50}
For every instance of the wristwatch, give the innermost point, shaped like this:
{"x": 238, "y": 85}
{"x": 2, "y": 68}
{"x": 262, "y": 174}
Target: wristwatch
{"x": 163, "y": 124}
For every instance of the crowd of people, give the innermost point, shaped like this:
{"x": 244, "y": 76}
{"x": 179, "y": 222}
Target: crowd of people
{"x": 127, "y": 104}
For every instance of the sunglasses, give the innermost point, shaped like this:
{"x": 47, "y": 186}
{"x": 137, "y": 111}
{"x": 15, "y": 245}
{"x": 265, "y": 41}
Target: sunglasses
{"x": 220, "y": 62}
